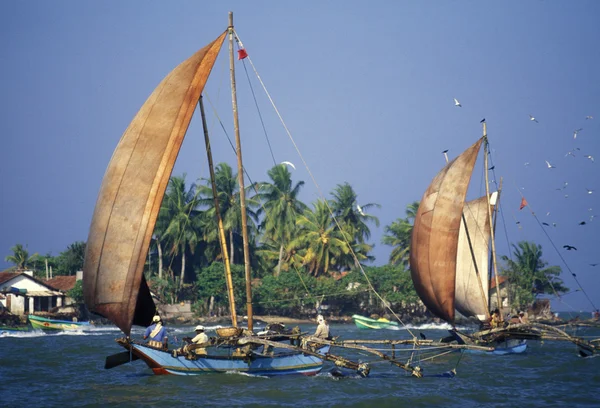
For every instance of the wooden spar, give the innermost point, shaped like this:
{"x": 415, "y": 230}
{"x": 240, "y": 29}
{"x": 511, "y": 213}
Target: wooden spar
{"x": 493, "y": 238}
{"x": 222, "y": 240}
{"x": 496, "y": 207}
{"x": 238, "y": 143}
{"x": 416, "y": 371}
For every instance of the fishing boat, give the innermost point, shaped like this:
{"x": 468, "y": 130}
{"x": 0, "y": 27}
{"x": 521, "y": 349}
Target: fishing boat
{"x": 4, "y": 330}
{"x": 363, "y": 322}
{"x": 43, "y": 323}
{"x": 452, "y": 244}
{"x": 123, "y": 222}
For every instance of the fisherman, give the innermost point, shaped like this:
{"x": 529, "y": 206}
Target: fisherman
{"x": 322, "y": 328}
{"x": 496, "y": 320}
{"x": 596, "y": 314}
{"x": 522, "y": 318}
{"x": 157, "y": 334}
{"x": 200, "y": 338}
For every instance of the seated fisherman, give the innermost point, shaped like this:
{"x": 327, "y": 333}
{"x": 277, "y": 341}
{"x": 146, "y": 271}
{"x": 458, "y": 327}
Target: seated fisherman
{"x": 157, "y": 334}
{"x": 322, "y": 331}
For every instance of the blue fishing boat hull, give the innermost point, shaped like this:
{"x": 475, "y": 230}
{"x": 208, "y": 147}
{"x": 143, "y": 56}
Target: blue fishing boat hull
{"x": 503, "y": 349}
{"x": 289, "y": 363}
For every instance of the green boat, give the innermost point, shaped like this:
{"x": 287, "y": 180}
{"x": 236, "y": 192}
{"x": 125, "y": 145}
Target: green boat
{"x": 367, "y": 323}
{"x": 38, "y": 322}
{"x": 13, "y": 329}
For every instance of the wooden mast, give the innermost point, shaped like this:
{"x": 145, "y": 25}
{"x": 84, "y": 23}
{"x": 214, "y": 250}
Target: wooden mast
{"x": 492, "y": 232}
{"x": 222, "y": 239}
{"x": 236, "y": 127}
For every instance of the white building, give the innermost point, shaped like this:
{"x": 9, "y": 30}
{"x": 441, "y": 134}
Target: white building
{"x": 23, "y": 294}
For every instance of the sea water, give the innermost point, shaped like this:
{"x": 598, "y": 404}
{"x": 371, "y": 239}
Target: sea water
{"x": 67, "y": 369}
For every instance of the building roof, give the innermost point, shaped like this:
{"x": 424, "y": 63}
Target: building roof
{"x": 64, "y": 283}
{"x": 501, "y": 280}
{"x": 6, "y": 276}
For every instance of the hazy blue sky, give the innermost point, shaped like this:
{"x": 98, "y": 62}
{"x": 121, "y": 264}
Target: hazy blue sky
{"x": 366, "y": 89}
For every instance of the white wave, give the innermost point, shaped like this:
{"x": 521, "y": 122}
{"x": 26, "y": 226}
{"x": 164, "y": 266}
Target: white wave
{"x": 245, "y": 374}
{"x": 427, "y": 326}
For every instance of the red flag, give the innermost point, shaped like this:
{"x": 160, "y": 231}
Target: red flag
{"x": 523, "y": 203}
{"x": 242, "y": 54}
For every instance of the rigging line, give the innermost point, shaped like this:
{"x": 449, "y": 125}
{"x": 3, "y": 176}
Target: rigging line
{"x": 246, "y": 173}
{"x": 559, "y": 255}
{"x": 258, "y": 110}
{"x": 319, "y": 188}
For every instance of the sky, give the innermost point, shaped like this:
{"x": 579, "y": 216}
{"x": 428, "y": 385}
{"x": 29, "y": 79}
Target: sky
{"x": 366, "y": 89}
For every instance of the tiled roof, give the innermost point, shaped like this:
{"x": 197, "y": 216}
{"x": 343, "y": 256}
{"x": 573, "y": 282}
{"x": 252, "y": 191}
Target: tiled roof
{"x": 6, "y": 276}
{"x": 63, "y": 283}
{"x": 501, "y": 280}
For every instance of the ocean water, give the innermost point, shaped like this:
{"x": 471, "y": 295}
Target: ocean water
{"x": 67, "y": 370}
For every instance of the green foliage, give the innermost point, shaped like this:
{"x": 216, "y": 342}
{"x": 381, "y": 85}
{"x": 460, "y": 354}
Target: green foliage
{"x": 69, "y": 261}
{"x": 77, "y": 292}
{"x": 529, "y": 276}
{"x": 398, "y": 235}
{"x": 211, "y": 282}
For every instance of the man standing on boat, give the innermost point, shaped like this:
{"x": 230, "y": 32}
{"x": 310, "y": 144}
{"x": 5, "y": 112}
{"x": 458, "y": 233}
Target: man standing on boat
{"x": 322, "y": 328}
{"x": 157, "y": 334}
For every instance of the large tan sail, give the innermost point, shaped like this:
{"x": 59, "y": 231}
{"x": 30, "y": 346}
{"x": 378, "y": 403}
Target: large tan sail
{"x": 132, "y": 191}
{"x": 472, "y": 292}
{"x": 434, "y": 240}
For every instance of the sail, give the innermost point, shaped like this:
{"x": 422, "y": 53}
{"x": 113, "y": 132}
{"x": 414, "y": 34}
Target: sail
{"x": 132, "y": 191}
{"x": 434, "y": 240}
{"x": 472, "y": 293}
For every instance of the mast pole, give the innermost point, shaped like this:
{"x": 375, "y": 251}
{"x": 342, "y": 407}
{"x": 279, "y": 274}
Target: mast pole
{"x": 238, "y": 143}
{"x": 489, "y": 211}
{"x": 222, "y": 240}
{"x": 495, "y": 222}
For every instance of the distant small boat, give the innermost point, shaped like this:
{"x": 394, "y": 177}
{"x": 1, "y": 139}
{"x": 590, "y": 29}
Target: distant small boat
{"x": 38, "y": 322}
{"x": 368, "y": 323}
{"x": 12, "y": 329}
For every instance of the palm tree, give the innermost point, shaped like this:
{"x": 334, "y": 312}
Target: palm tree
{"x": 229, "y": 206}
{"x": 182, "y": 228}
{"x": 529, "y": 275}
{"x": 282, "y": 208}
{"x": 20, "y": 257}
{"x": 350, "y": 215}
{"x": 398, "y": 235}
{"x": 324, "y": 244}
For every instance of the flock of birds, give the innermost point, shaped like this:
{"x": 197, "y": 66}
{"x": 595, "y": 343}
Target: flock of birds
{"x": 572, "y": 153}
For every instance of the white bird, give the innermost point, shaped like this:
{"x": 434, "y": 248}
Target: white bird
{"x": 533, "y": 119}
{"x": 549, "y": 165}
{"x": 570, "y": 153}
{"x": 575, "y": 132}
{"x": 589, "y": 117}
{"x": 457, "y": 103}
{"x": 360, "y": 211}
{"x": 526, "y": 164}
{"x": 589, "y": 157}
{"x": 289, "y": 164}
{"x": 589, "y": 191}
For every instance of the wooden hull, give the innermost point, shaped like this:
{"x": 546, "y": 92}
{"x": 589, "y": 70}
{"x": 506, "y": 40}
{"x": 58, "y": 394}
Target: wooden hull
{"x": 42, "y": 323}
{"x": 288, "y": 363}
{"x": 367, "y": 323}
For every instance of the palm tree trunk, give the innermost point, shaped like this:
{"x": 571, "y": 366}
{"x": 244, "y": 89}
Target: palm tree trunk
{"x": 182, "y": 272}
{"x": 160, "y": 259}
{"x": 278, "y": 270}
{"x": 231, "y": 248}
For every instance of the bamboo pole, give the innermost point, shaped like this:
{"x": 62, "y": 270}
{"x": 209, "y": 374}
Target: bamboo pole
{"x": 222, "y": 240}
{"x": 492, "y": 235}
{"x": 238, "y": 143}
